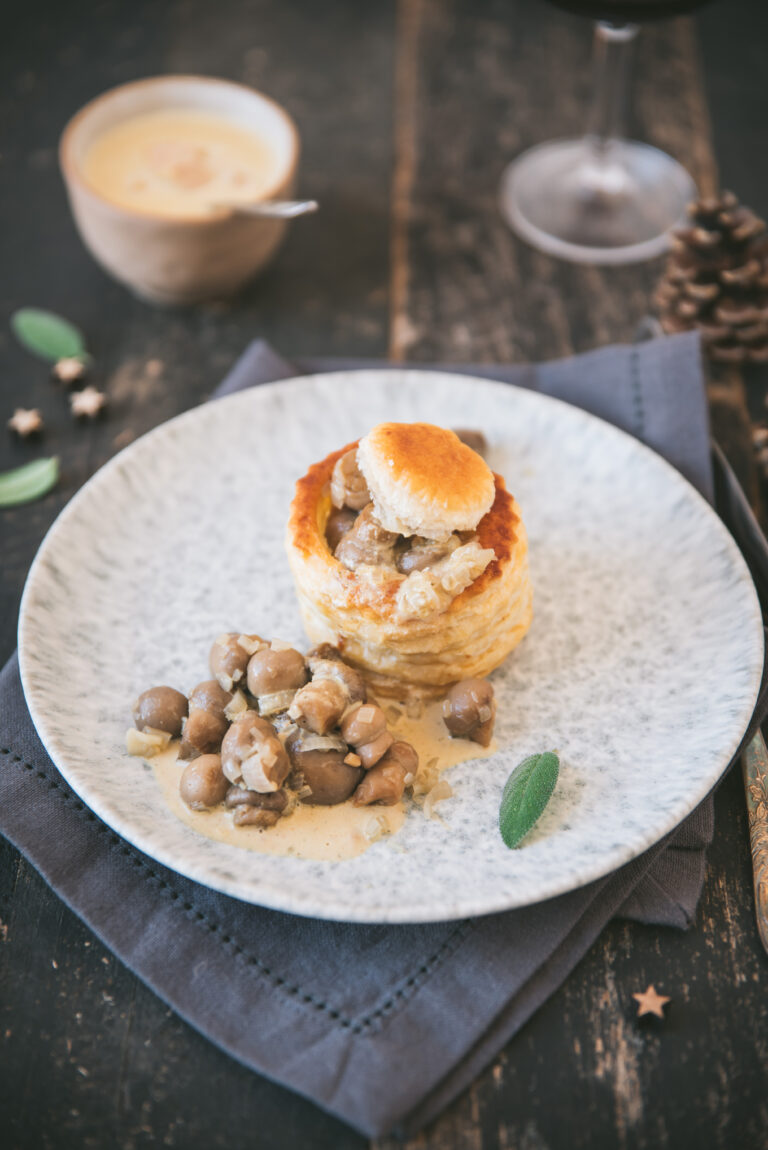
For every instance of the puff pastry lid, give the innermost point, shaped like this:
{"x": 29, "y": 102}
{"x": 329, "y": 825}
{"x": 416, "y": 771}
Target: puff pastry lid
{"x": 423, "y": 480}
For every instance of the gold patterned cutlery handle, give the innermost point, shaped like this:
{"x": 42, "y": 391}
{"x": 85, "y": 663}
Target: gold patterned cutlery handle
{"x": 755, "y": 767}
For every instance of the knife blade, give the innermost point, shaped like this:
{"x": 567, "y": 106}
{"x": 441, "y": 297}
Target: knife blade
{"x": 754, "y": 763}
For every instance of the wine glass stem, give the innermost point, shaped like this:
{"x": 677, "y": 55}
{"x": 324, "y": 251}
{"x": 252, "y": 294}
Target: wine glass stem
{"x": 612, "y": 54}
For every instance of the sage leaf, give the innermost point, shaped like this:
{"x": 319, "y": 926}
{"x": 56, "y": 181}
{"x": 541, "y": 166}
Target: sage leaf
{"x": 29, "y": 482}
{"x": 48, "y": 335}
{"x": 527, "y": 792}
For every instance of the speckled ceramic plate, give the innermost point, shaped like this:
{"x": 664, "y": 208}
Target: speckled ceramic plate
{"x": 642, "y": 665}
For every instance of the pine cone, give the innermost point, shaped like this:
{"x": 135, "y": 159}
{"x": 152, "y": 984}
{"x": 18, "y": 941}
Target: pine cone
{"x": 717, "y": 280}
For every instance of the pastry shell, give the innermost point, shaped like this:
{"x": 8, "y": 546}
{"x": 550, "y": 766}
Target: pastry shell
{"x": 356, "y": 609}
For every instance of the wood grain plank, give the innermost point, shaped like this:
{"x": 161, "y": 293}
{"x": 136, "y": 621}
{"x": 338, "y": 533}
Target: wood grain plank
{"x": 408, "y": 30}
{"x": 476, "y": 293}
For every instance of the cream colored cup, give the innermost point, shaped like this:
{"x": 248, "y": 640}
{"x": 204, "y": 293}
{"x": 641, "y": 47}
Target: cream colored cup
{"x": 178, "y": 261}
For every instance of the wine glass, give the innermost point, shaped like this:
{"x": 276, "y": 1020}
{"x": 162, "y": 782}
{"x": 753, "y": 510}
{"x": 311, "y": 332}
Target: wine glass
{"x": 601, "y": 199}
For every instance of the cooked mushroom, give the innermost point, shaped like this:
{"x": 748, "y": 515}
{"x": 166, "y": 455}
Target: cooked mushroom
{"x": 209, "y": 696}
{"x": 203, "y": 784}
{"x": 469, "y": 710}
{"x": 162, "y": 709}
{"x": 271, "y": 671}
{"x": 349, "y": 678}
{"x": 424, "y": 553}
{"x": 229, "y": 657}
{"x": 252, "y": 753}
{"x": 240, "y": 797}
{"x": 321, "y": 652}
{"x": 207, "y": 724}
{"x": 329, "y": 778}
{"x": 367, "y": 542}
{"x": 383, "y": 784}
{"x": 338, "y": 523}
{"x": 348, "y": 486}
{"x": 365, "y": 729}
{"x": 256, "y": 817}
{"x": 406, "y": 756}
{"x": 202, "y": 734}
{"x": 386, "y": 781}
{"x": 370, "y": 753}
{"x": 319, "y": 705}
{"x": 363, "y": 724}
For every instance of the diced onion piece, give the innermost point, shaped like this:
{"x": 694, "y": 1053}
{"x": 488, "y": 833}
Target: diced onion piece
{"x": 285, "y": 732}
{"x": 236, "y": 706}
{"x": 375, "y": 828}
{"x": 253, "y": 770}
{"x": 441, "y": 790}
{"x": 281, "y": 645}
{"x": 146, "y": 743}
{"x": 249, "y": 645}
{"x": 349, "y": 709}
{"x": 274, "y": 702}
{"x": 414, "y": 708}
{"x": 312, "y": 742}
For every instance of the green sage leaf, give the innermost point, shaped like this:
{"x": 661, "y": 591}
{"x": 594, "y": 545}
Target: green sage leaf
{"x": 48, "y": 335}
{"x": 29, "y": 482}
{"x": 527, "y": 792}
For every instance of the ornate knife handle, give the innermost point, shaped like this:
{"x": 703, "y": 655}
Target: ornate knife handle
{"x": 755, "y": 767}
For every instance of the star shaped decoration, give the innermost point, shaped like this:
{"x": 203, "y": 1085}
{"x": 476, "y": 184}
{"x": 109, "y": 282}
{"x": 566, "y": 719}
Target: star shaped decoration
{"x": 69, "y": 370}
{"x": 25, "y": 421}
{"x": 649, "y": 1002}
{"x": 87, "y": 403}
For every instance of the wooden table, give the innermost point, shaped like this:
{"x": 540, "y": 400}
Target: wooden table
{"x": 409, "y": 112}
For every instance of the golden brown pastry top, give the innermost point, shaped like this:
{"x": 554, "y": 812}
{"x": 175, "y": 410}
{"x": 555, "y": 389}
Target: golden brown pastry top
{"x": 423, "y": 480}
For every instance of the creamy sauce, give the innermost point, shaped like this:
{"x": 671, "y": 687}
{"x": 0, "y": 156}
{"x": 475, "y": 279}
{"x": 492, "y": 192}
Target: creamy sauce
{"x": 342, "y": 831}
{"x": 179, "y": 163}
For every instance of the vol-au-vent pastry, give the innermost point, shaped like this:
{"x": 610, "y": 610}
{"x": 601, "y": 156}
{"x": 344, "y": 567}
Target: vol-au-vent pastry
{"x": 410, "y": 554}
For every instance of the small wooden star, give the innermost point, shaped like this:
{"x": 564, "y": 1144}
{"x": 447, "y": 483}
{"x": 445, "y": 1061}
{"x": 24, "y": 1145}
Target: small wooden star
{"x": 26, "y": 421}
{"x": 69, "y": 370}
{"x": 87, "y": 403}
{"x": 649, "y": 1002}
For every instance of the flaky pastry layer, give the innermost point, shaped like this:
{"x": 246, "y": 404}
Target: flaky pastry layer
{"x": 471, "y": 637}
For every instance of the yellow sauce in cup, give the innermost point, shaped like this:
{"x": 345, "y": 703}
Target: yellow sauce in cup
{"x": 180, "y": 163}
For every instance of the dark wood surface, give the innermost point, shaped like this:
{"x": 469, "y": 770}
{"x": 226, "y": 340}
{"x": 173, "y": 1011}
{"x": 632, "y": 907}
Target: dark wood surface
{"x": 408, "y": 113}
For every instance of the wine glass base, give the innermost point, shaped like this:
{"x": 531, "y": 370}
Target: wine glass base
{"x": 596, "y": 205}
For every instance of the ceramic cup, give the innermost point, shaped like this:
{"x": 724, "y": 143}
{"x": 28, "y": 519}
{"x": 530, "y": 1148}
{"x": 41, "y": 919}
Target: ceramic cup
{"x": 167, "y": 260}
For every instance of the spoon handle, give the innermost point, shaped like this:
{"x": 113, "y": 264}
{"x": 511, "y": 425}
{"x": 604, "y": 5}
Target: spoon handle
{"x": 274, "y": 209}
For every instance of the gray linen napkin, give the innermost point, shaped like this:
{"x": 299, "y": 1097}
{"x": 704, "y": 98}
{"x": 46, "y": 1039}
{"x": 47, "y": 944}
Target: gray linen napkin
{"x": 333, "y": 1010}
